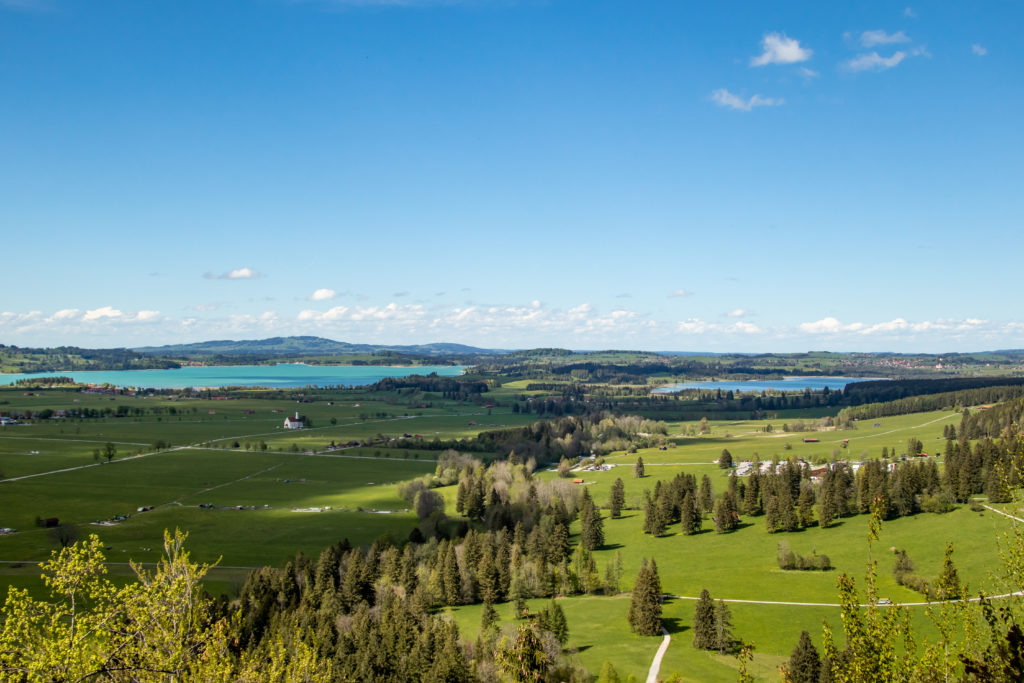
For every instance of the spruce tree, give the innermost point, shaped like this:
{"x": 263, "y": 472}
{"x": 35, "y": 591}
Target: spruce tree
{"x": 723, "y": 627}
{"x": 645, "y": 603}
{"x": 752, "y": 495}
{"x": 725, "y": 460}
{"x": 704, "y": 637}
{"x": 804, "y": 664}
{"x": 591, "y": 524}
{"x": 638, "y": 468}
{"x": 706, "y": 498}
{"x": 689, "y": 517}
{"x": 805, "y": 505}
{"x": 618, "y": 499}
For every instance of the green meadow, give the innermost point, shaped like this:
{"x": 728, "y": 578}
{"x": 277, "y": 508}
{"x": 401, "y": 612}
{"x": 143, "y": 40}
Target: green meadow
{"x": 251, "y": 493}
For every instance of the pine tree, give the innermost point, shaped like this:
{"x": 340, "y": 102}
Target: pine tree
{"x": 706, "y": 498}
{"x": 618, "y": 499}
{"x": 645, "y": 602}
{"x": 704, "y": 637}
{"x": 488, "y": 617}
{"x": 804, "y": 664}
{"x": 690, "y": 519}
{"x": 725, "y": 460}
{"x": 827, "y": 505}
{"x": 524, "y": 660}
{"x": 638, "y": 468}
{"x": 723, "y": 627}
{"x": 726, "y": 516}
{"x": 613, "y": 574}
{"x": 805, "y": 505}
{"x": 591, "y": 524}
{"x": 648, "y": 512}
{"x": 752, "y": 495}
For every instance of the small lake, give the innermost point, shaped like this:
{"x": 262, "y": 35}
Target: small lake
{"x": 283, "y": 375}
{"x": 784, "y": 384}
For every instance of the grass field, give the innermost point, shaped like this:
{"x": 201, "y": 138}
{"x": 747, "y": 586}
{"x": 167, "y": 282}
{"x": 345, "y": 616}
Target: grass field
{"x": 259, "y": 508}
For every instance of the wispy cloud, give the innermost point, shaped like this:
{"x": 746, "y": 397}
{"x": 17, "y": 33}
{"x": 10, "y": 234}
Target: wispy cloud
{"x": 236, "y": 274}
{"x": 872, "y": 61}
{"x": 780, "y": 49}
{"x": 679, "y": 293}
{"x": 832, "y": 326}
{"x": 696, "y": 326}
{"x": 807, "y": 74}
{"x": 322, "y": 295}
{"x": 979, "y": 50}
{"x": 909, "y": 13}
{"x": 736, "y": 313}
{"x": 879, "y": 37}
{"x": 724, "y": 98}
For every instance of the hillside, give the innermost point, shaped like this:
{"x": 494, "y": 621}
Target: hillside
{"x": 305, "y": 346}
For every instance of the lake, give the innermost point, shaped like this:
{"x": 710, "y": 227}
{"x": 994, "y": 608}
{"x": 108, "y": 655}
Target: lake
{"x": 283, "y": 375}
{"x": 784, "y": 384}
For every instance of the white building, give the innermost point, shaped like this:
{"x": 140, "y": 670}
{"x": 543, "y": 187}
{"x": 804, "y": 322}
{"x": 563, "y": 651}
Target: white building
{"x": 293, "y": 423}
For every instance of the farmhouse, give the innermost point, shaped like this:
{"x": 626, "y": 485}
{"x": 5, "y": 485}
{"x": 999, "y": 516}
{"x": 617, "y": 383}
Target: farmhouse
{"x": 293, "y": 423}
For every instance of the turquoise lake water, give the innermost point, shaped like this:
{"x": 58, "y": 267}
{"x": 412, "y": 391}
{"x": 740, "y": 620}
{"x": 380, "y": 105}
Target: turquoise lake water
{"x": 283, "y": 375}
{"x": 786, "y": 384}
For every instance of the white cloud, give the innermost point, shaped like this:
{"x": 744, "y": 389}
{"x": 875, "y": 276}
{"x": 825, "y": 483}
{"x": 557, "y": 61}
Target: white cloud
{"x": 323, "y": 295}
{"x": 147, "y": 316}
{"x": 872, "y": 61}
{"x": 66, "y": 314}
{"x": 742, "y": 327}
{"x": 807, "y": 74}
{"x": 736, "y": 313}
{"x": 879, "y": 37}
{"x": 979, "y": 50}
{"x": 780, "y": 49}
{"x": 824, "y": 326}
{"x": 105, "y": 312}
{"x": 679, "y": 293}
{"x": 724, "y": 98}
{"x": 236, "y": 274}
{"x": 909, "y": 13}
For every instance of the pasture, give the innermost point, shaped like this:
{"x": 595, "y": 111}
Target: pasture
{"x": 251, "y": 493}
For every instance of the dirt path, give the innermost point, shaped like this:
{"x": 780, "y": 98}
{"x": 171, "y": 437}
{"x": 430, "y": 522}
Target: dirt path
{"x": 94, "y": 464}
{"x": 652, "y": 673}
{"x": 1000, "y": 512}
{"x": 835, "y": 604}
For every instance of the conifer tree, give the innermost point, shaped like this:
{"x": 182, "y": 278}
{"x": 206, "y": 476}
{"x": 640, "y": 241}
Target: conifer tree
{"x": 591, "y": 524}
{"x": 706, "y": 498}
{"x": 704, "y": 637}
{"x": 723, "y": 627}
{"x": 613, "y": 574}
{"x": 752, "y": 495}
{"x": 804, "y": 664}
{"x": 688, "y": 516}
{"x": 618, "y": 498}
{"x": 805, "y": 505}
{"x": 648, "y": 512}
{"x": 645, "y": 602}
{"x": 725, "y": 460}
{"x": 638, "y": 468}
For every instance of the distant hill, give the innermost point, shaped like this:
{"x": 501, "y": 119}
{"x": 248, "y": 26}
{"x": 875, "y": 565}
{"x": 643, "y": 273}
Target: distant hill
{"x": 306, "y": 346}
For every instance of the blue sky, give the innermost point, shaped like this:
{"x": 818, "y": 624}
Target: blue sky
{"x": 745, "y": 176}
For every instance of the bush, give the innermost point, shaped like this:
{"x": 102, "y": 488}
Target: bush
{"x": 788, "y": 560}
{"x": 939, "y": 503}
